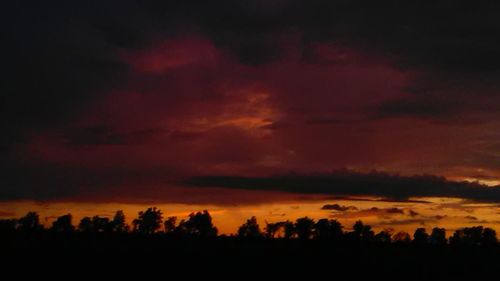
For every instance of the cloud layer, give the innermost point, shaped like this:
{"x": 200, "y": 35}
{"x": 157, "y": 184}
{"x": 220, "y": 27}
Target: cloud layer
{"x": 353, "y": 183}
{"x": 124, "y": 95}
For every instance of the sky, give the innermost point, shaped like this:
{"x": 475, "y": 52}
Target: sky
{"x": 253, "y": 106}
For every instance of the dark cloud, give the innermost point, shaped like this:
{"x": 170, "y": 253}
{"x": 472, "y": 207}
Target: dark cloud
{"x": 337, "y": 207}
{"x": 404, "y": 222}
{"x": 85, "y": 75}
{"x": 422, "y": 221}
{"x": 352, "y": 183}
{"x": 395, "y": 211}
{"x": 105, "y": 135}
{"x": 471, "y": 218}
{"x": 60, "y": 57}
{"x": 413, "y": 213}
{"x": 347, "y": 198}
{"x": 382, "y": 213}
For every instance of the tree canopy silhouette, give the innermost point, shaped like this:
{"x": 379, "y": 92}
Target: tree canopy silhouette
{"x": 149, "y": 221}
{"x": 118, "y": 223}
{"x": 30, "y": 222}
{"x": 304, "y": 227}
{"x": 170, "y": 224}
{"x": 250, "y": 229}
{"x": 63, "y": 224}
{"x": 438, "y": 236}
{"x": 198, "y": 224}
{"x": 420, "y": 237}
{"x": 328, "y": 229}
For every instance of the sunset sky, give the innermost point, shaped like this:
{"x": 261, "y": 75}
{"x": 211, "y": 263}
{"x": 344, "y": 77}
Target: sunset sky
{"x": 253, "y": 108}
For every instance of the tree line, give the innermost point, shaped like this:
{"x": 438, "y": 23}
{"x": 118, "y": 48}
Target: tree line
{"x": 199, "y": 225}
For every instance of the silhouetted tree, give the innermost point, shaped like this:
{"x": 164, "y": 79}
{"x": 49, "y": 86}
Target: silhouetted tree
{"x": 362, "y": 232}
{"x": 328, "y": 229}
{"x": 118, "y": 223}
{"x": 384, "y": 236}
{"x": 29, "y": 223}
{"x": 467, "y": 236}
{"x": 8, "y": 226}
{"x": 95, "y": 224}
{"x": 250, "y": 229}
{"x": 170, "y": 224}
{"x": 401, "y": 237}
{"x": 489, "y": 237}
{"x": 85, "y": 225}
{"x": 272, "y": 229}
{"x": 304, "y": 227}
{"x": 101, "y": 224}
{"x": 289, "y": 229}
{"x": 198, "y": 225}
{"x": 63, "y": 224}
{"x": 473, "y": 236}
{"x": 149, "y": 221}
{"x": 438, "y": 236}
{"x": 420, "y": 237}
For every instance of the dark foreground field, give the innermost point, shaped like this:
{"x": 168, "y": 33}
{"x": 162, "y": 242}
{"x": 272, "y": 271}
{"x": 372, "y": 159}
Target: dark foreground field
{"x": 143, "y": 257}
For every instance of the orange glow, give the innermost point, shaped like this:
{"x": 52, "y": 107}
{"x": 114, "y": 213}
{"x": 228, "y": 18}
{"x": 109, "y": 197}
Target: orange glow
{"x": 449, "y": 213}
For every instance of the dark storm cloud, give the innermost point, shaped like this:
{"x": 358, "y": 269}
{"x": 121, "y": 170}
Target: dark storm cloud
{"x": 55, "y": 181}
{"x": 352, "y": 183}
{"x": 54, "y": 62}
{"x": 418, "y": 107}
{"x": 60, "y": 57}
{"x": 104, "y": 135}
{"x": 59, "y": 54}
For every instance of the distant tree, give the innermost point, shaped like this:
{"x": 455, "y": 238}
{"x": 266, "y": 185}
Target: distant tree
{"x": 401, "y": 237}
{"x": 328, "y": 229}
{"x": 304, "y": 227}
{"x": 250, "y": 229}
{"x": 362, "y": 232}
{"x": 85, "y": 225}
{"x": 420, "y": 237}
{"x": 384, "y": 236}
{"x": 198, "y": 225}
{"x": 438, "y": 236}
{"x": 149, "y": 221}
{"x": 474, "y": 236}
{"x": 101, "y": 224}
{"x": 467, "y": 236}
{"x": 63, "y": 224}
{"x": 272, "y": 229}
{"x": 289, "y": 229}
{"x": 118, "y": 223}
{"x": 30, "y": 222}
{"x": 170, "y": 224}
{"x": 458, "y": 237}
{"x": 8, "y": 226}
{"x": 95, "y": 224}
{"x": 489, "y": 237}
